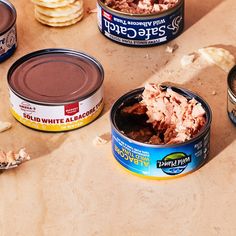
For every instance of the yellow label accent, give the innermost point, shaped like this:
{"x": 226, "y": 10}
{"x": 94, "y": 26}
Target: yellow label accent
{"x": 58, "y": 127}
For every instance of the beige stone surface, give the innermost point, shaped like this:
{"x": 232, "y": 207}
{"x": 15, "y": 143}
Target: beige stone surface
{"x": 72, "y": 187}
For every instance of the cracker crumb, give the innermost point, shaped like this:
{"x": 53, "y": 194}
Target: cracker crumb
{"x": 187, "y": 60}
{"x": 4, "y": 126}
{"x": 171, "y": 49}
{"x": 218, "y": 56}
{"x": 147, "y": 56}
{"x": 102, "y": 139}
{"x": 213, "y": 92}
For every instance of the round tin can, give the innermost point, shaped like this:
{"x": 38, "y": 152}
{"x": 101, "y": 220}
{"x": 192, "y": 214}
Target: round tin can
{"x": 56, "y": 89}
{"x": 8, "y": 39}
{"x": 158, "y": 161}
{"x": 232, "y": 95}
{"x": 141, "y": 30}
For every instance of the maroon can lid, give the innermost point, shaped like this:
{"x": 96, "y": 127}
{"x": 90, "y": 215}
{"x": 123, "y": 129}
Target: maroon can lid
{"x": 7, "y": 16}
{"x": 55, "y": 76}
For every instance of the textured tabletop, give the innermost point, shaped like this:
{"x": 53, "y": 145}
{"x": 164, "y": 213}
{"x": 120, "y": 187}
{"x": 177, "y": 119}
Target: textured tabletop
{"x": 73, "y": 187}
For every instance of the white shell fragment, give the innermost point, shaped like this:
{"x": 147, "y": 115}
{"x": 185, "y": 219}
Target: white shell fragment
{"x": 11, "y": 159}
{"x": 23, "y": 154}
{"x": 219, "y": 56}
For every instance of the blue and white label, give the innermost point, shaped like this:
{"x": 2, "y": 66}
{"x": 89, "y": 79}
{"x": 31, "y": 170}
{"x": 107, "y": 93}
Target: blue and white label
{"x": 8, "y": 43}
{"x": 160, "y": 162}
{"x": 141, "y": 31}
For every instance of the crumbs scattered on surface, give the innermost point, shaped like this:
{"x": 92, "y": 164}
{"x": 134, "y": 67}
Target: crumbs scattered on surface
{"x": 147, "y": 56}
{"x": 171, "y": 49}
{"x": 11, "y": 159}
{"x": 102, "y": 139}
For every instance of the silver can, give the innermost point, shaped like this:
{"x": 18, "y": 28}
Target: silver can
{"x": 232, "y": 95}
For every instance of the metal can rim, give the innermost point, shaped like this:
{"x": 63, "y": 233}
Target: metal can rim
{"x": 13, "y": 9}
{"x": 145, "y": 16}
{"x": 49, "y": 51}
{"x": 229, "y": 80}
{"x": 137, "y": 91}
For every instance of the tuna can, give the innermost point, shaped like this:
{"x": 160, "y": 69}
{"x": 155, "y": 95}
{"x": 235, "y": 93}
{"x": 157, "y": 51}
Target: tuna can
{"x": 158, "y": 161}
{"x": 8, "y": 41}
{"x": 56, "y": 89}
{"x": 138, "y": 29}
{"x": 232, "y": 95}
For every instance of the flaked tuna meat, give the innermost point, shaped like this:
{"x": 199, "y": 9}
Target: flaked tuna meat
{"x": 178, "y": 118}
{"x": 163, "y": 116}
{"x": 144, "y": 134}
{"x": 136, "y": 109}
{"x": 140, "y": 6}
{"x": 198, "y": 111}
{"x": 155, "y": 139}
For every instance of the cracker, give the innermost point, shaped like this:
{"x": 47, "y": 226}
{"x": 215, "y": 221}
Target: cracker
{"x": 187, "y": 60}
{"x": 4, "y": 126}
{"x": 60, "y": 24}
{"x": 219, "y": 56}
{"x": 60, "y": 19}
{"x": 60, "y": 11}
{"x": 54, "y": 4}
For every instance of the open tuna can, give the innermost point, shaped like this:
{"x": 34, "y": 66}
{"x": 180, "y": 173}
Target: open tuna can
{"x": 140, "y": 23}
{"x": 144, "y": 151}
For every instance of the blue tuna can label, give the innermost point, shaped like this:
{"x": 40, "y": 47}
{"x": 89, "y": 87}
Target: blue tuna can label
{"x": 141, "y": 30}
{"x": 8, "y": 41}
{"x": 156, "y": 162}
{"x": 159, "y": 161}
{"x": 8, "y": 44}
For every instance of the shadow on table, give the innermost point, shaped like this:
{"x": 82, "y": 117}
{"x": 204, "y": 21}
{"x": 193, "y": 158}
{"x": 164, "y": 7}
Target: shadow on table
{"x": 196, "y": 10}
{"x": 212, "y": 87}
{"x": 211, "y": 84}
{"x": 36, "y": 143}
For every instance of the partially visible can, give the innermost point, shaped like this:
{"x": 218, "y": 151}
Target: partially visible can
{"x": 56, "y": 89}
{"x": 141, "y": 30}
{"x": 159, "y": 161}
{"x": 8, "y": 38}
{"x": 232, "y": 95}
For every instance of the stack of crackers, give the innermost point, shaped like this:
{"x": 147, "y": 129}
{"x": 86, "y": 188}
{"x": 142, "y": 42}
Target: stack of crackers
{"x": 58, "y": 13}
